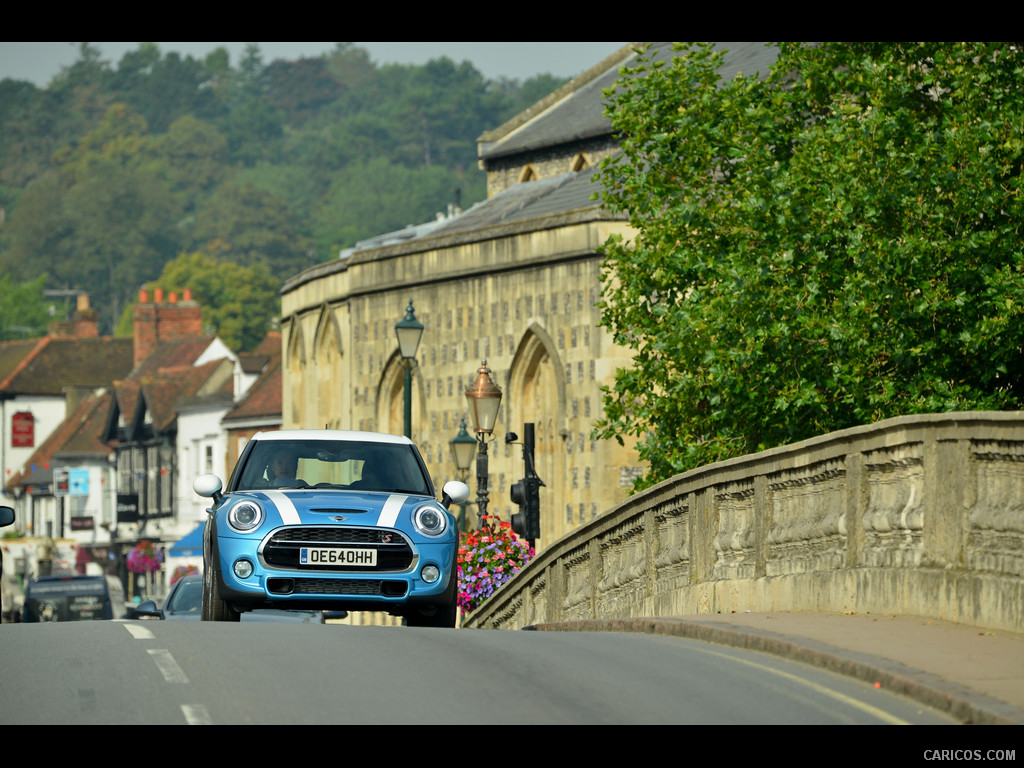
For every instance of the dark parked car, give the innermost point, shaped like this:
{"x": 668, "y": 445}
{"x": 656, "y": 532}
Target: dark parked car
{"x": 6, "y": 518}
{"x": 184, "y": 603}
{"x": 74, "y": 598}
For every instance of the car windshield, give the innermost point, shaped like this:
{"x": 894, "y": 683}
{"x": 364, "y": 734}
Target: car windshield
{"x": 186, "y": 597}
{"x": 341, "y": 464}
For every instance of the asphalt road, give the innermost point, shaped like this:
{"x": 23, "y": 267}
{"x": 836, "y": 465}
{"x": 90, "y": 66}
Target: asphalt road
{"x": 153, "y": 672}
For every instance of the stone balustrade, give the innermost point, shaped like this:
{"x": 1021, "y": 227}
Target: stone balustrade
{"x": 916, "y": 515}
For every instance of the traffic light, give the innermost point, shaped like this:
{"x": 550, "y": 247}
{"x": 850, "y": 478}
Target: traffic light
{"x": 526, "y": 494}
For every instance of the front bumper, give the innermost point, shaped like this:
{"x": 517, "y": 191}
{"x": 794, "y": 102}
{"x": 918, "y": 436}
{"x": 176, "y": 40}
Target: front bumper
{"x": 278, "y": 581}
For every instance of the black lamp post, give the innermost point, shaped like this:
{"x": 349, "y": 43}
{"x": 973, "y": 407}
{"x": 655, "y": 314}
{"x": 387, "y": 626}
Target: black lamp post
{"x": 484, "y": 397}
{"x": 409, "y": 330}
{"x": 463, "y": 447}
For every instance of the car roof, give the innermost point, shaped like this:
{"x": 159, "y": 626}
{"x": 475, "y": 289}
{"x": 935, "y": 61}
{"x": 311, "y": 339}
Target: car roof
{"x": 333, "y": 435}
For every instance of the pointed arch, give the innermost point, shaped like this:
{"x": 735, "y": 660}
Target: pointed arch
{"x": 295, "y": 378}
{"x": 528, "y": 173}
{"x": 328, "y": 365}
{"x": 537, "y": 394}
{"x": 580, "y": 162}
{"x": 391, "y": 399}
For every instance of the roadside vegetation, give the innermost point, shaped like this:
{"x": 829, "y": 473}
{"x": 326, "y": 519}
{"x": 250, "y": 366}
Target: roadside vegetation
{"x": 827, "y": 244}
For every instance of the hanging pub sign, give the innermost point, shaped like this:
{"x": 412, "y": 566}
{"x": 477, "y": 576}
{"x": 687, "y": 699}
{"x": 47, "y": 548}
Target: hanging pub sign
{"x": 23, "y": 430}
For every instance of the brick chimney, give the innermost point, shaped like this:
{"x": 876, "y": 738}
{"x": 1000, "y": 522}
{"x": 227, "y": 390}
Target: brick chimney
{"x": 84, "y": 324}
{"x": 86, "y": 321}
{"x": 164, "y": 321}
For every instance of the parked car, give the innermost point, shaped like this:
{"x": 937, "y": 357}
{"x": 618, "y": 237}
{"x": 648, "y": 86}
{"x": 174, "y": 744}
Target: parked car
{"x": 74, "y": 598}
{"x": 184, "y": 603}
{"x": 330, "y": 520}
{"x": 6, "y": 518}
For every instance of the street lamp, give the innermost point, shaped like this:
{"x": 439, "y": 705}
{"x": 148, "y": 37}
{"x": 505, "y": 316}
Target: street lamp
{"x": 462, "y": 447}
{"x": 484, "y": 397}
{"x": 409, "y": 330}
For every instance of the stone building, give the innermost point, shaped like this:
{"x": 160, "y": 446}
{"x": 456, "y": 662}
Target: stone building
{"x": 515, "y": 280}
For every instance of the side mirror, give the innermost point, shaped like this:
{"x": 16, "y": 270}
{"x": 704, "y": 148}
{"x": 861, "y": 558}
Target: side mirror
{"x": 454, "y": 492}
{"x": 208, "y": 486}
{"x": 6, "y": 516}
{"x": 147, "y": 608}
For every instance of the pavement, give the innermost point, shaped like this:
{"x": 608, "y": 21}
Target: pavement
{"x": 974, "y": 674}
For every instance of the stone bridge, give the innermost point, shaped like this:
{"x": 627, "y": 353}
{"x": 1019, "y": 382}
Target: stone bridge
{"x": 916, "y": 515}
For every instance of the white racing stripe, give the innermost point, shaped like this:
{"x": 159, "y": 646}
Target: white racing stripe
{"x": 389, "y": 512}
{"x": 289, "y": 515}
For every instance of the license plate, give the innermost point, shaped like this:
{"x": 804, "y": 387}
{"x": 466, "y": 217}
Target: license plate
{"x": 337, "y": 556}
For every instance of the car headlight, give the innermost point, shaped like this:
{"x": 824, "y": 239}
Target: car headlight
{"x": 245, "y": 516}
{"x": 430, "y": 520}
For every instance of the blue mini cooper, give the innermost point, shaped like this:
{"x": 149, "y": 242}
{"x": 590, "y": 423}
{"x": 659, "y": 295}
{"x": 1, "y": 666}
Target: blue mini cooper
{"x": 330, "y": 520}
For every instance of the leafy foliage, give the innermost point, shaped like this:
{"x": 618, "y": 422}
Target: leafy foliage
{"x": 238, "y": 302}
{"x": 24, "y": 312}
{"x": 837, "y": 243}
{"x": 112, "y": 170}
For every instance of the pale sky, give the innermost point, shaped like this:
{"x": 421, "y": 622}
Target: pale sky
{"x": 40, "y": 62}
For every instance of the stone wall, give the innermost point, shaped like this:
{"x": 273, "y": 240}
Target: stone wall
{"x": 918, "y": 515}
{"x": 525, "y": 297}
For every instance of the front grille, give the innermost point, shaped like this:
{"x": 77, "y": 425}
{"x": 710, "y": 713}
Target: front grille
{"x": 281, "y": 549}
{"x": 341, "y": 587}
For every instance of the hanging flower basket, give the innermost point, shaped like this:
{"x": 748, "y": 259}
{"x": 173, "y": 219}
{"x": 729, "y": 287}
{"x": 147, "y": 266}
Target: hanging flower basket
{"x": 144, "y": 558}
{"x": 182, "y": 571}
{"x": 487, "y": 559}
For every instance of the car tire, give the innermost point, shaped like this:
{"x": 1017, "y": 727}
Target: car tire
{"x": 213, "y": 607}
{"x": 445, "y": 615}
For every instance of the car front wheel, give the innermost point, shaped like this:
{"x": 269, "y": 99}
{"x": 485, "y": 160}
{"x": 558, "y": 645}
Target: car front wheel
{"x": 214, "y": 608}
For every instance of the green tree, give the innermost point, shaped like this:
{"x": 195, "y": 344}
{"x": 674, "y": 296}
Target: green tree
{"x": 238, "y": 303}
{"x": 249, "y": 225}
{"x": 834, "y": 244}
{"x": 24, "y": 312}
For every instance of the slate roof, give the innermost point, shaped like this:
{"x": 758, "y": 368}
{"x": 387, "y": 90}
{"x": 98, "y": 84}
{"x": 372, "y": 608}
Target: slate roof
{"x": 575, "y": 111}
{"x": 50, "y": 365}
{"x": 568, "y": 192}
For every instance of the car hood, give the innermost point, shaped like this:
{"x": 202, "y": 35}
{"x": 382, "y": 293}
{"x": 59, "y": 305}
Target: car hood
{"x": 369, "y": 508}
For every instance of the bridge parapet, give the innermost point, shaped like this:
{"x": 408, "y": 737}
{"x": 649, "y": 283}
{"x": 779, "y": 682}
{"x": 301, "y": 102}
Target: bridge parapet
{"x": 917, "y": 515}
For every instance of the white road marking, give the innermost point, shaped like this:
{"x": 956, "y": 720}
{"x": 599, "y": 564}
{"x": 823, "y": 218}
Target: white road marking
{"x": 168, "y": 666}
{"x": 139, "y": 632}
{"x": 196, "y": 714}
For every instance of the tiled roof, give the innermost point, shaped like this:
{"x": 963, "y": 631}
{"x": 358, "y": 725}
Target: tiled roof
{"x": 166, "y": 376}
{"x": 49, "y": 366}
{"x": 263, "y": 400}
{"x": 257, "y": 360}
{"x": 163, "y": 391}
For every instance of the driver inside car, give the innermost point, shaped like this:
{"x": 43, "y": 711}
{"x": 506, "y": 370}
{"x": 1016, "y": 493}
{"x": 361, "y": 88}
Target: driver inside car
{"x": 282, "y": 468}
